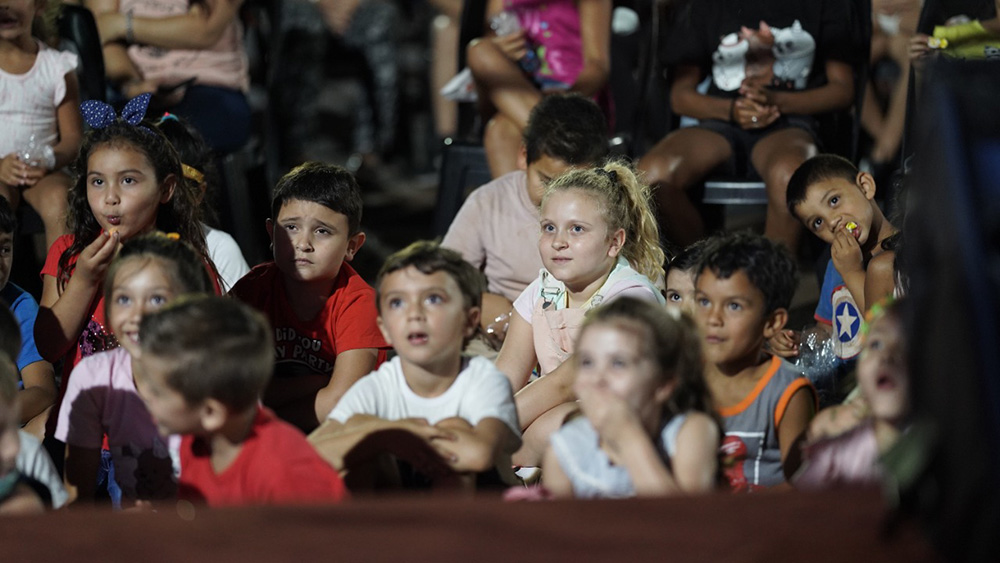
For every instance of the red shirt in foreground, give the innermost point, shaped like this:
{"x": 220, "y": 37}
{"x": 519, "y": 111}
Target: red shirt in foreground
{"x": 276, "y": 466}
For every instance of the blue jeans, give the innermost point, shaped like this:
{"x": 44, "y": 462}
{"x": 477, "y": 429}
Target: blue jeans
{"x": 221, "y": 115}
{"x": 106, "y": 479}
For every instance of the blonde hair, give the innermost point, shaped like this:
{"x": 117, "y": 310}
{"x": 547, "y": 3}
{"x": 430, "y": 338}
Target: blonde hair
{"x": 625, "y": 203}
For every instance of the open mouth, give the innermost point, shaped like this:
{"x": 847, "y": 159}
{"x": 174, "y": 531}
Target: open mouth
{"x": 417, "y": 338}
{"x": 7, "y": 19}
{"x": 885, "y": 382}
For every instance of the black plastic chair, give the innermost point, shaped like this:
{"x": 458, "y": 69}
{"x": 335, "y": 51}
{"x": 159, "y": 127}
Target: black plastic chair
{"x": 78, "y": 34}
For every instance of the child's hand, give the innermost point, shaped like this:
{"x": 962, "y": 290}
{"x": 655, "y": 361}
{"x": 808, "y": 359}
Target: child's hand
{"x": 513, "y": 46}
{"x": 13, "y": 172}
{"x": 836, "y": 420}
{"x": 607, "y": 412}
{"x": 785, "y": 344}
{"x": 918, "y": 46}
{"x": 95, "y": 259}
{"x": 846, "y": 253}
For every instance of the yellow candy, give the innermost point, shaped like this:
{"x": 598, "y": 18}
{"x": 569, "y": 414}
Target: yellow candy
{"x": 851, "y": 226}
{"x": 937, "y": 43}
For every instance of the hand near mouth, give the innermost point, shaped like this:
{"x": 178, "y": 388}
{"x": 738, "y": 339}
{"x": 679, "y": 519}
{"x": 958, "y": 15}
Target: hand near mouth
{"x": 846, "y": 253}
{"x": 96, "y": 257}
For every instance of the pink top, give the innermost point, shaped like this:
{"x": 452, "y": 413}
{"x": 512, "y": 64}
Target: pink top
{"x": 224, "y": 64}
{"x": 851, "y": 458}
{"x": 101, "y": 398}
{"x": 553, "y": 28}
{"x": 28, "y": 101}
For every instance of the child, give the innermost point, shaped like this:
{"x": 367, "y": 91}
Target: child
{"x": 681, "y": 273}
{"x": 126, "y": 186}
{"x": 500, "y": 219}
{"x": 205, "y": 363}
{"x": 42, "y": 129}
{"x": 648, "y": 428}
{"x": 853, "y": 457}
{"x": 599, "y": 241}
{"x": 570, "y": 44}
{"x": 32, "y": 461}
{"x": 428, "y": 299}
{"x": 196, "y": 162}
{"x": 38, "y": 382}
{"x": 323, "y": 313}
{"x": 743, "y": 291}
{"x": 16, "y": 496}
{"x": 836, "y": 202}
{"x": 102, "y": 398}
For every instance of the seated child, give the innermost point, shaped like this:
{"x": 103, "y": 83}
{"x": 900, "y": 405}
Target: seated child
{"x": 681, "y": 273}
{"x": 500, "y": 219}
{"x": 853, "y": 457}
{"x": 744, "y": 287}
{"x": 323, "y": 313}
{"x": 16, "y": 494}
{"x": 428, "y": 299}
{"x": 205, "y": 361}
{"x": 836, "y": 202}
{"x": 599, "y": 242}
{"x": 647, "y": 428}
{"x": 37, "y": 392}
{"x": 102, "y": 403}
{"x": 33, "y": 463}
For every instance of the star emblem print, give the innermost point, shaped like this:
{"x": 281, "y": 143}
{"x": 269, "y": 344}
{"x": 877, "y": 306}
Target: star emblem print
{"x": 847, "y": 316}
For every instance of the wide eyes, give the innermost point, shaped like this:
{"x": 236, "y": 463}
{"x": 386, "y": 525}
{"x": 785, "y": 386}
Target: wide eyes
{"x": 674, "y": 297}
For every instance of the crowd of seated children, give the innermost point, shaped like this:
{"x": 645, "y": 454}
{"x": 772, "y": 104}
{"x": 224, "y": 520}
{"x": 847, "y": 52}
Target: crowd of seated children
{"x": 599, "y": 241}
{"x": 31, "y": 461}
{"x": 499, "y": 220}
{"x": 743, "y": 290}
{"x": 321, "y": 310}
{"x": 774, "y": 65}
{"x": 204, "y": 363}
{"x": 647, "y": 427}
{"x": 111, "y": 441}
{"x": 36, "y": 377}
{"x": 460, "y": 408}
{"x": 569, "y": 42}
{"x": 39, "y": 99}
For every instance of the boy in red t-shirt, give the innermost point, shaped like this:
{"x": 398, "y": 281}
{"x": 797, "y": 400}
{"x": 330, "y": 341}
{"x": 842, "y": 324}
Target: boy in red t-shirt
{"x": 204, "y": 363}
{"x": 323, "y": 314}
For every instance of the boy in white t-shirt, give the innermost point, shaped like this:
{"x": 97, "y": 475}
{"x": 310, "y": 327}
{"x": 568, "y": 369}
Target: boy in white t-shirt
{"x": 458, "y": 411}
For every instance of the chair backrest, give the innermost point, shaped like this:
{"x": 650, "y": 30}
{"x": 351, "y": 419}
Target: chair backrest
{"x": 78, "y": 33}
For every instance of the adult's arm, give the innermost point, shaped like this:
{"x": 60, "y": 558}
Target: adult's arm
{"x": 200, "y": 28}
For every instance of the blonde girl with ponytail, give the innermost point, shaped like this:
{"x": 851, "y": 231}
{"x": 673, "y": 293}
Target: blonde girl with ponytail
{"x": 599, "y": 241}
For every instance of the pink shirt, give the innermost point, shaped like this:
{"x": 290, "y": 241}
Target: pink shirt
{"x": 496, "y": 230}
{"x": 101, "y": 398}
{"x": 851, "y": 458}
{"x": 223, "y": 64}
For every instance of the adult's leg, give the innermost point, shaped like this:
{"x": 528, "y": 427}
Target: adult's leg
{"x": 776, "y": 157}
{"x": 502, "y": 140}
{"x": 221, "y": 115}
{"x": 671, "y": 167}
{"x": 48, "y": 198}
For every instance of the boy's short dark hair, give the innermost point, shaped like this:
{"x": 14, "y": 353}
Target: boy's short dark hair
{"x": 688, "y": 259}
{"x": 8, "y": 219}
{"x": 220, "y": 349}
{"x": 568, "y": 127}
{"x": 429, "y": 257}
{"x": 767, "y": 264}
{"x": 817, "y": 169}
{"x": 326, "y": 184}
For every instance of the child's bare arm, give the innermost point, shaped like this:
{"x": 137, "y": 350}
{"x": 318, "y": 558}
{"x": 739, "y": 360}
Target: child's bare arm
{"x": 792, "y": 429}
{"x": 595, "y": 36}
{"x": 517, "y": 356}
{"x": 351, "y": 365}
{"x": 70, "y": 124}
{"x": 553, "y": 477}
{"x": 696, "y": 460}
{"x": 61, "y": 317}
{"x": 334, "y": 440}
{"x": 880, "y": 278}
{"x": 82, "y": 465}
{"x": 545, "y": 393}
{"x": 475, "y": 448}
{"x": 39, "y": 391}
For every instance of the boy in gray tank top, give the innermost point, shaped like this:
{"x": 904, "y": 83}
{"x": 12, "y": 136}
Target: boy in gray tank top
{"x": 744, "y": 286}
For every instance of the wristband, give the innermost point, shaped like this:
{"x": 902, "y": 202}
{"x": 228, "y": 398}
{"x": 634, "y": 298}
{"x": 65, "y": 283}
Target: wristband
{"x": 129, "y": 28}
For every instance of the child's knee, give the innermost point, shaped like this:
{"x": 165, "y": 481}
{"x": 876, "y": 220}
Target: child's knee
{"x": 482, "y": 56}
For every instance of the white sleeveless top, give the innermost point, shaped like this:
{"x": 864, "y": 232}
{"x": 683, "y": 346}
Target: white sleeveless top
{"x": 28, "y": 101}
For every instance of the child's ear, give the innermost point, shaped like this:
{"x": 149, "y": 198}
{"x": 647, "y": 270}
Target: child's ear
{"x": 775, "y": 322}
{"x": 472, "y": 321}
{"x": 663, "y": 392}
{"x": 522, "y": 158}
{"x": 213, "y": 415}
{"x": 866, "y": 183}
{"x": 168, "y": 186}
{"x": 382, "y": 329}
{"x": 617, "y": 242}
{"x": 354, "y": 244}
{"x": 269, "y": 225}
